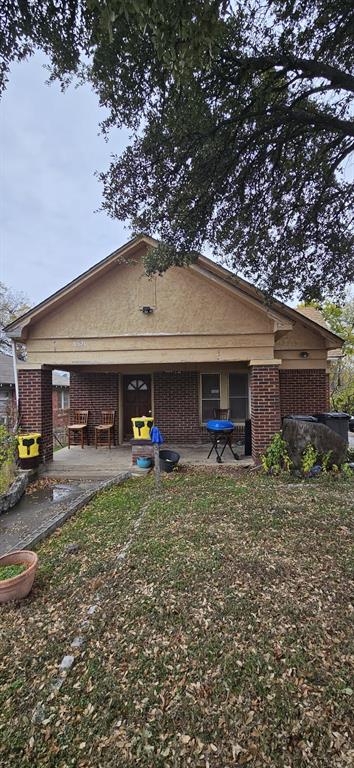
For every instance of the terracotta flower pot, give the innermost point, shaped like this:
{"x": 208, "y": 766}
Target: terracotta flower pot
{"x": 18, "y": 586}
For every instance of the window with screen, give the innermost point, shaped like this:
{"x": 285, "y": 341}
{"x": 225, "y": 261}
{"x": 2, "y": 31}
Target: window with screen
{"x": 238, "y": 396}
{"x": 210, "y": 394}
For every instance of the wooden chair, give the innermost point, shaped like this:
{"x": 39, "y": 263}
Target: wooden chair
{"x": 107, "y": 425}
{"x": 79, "y": 425}
{"x": 221, "y": 413}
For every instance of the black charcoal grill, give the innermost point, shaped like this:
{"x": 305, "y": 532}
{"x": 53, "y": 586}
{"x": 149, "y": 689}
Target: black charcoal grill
{"x": 220, "y": 433}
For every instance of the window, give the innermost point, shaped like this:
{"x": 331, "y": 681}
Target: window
{"x": 137, "y": 384}
{"x": 63, "y": 398}
{"x": 238, "y": 396}
{"x": 210, "y": 394}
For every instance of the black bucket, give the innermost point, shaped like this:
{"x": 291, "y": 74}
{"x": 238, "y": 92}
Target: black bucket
{"x": 168, "y": 460}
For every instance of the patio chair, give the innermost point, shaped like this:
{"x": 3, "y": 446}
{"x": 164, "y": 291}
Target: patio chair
{"x": 221, "y": 413}
{"x": 107, "y": 425}
{"x": 79, "y": 425}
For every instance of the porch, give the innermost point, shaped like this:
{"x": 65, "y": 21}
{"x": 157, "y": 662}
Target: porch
{"x": 181, "y": 402}
{"x": 91, "y": 464}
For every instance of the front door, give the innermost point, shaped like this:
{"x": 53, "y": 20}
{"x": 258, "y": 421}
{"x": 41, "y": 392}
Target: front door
{"x": 136, "y": 400}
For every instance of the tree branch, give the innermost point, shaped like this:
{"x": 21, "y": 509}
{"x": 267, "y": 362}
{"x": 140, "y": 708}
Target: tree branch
{"x": 309, "y": 67}
{"x": 322, "y": 120}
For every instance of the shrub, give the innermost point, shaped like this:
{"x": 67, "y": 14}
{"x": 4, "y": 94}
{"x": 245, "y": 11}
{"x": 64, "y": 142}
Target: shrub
{"x": 7, "y": 458}
{"x": 347, "y": 472}
{"x": 276, "y": 458}
{"x": 325, "y": 460}
{"x": 309, "y": 459}
{"x": 350, "y": 454}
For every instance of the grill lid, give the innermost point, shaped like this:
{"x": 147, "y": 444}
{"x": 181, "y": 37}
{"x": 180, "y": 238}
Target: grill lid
{"x": 219, "y": 425}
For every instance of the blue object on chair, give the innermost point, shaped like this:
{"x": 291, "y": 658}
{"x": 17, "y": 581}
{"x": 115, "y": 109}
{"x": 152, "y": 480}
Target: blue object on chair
{"x": 156, "y": 436}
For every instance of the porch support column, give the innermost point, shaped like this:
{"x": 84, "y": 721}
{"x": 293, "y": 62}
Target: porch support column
{"x": 265, "y": 404}
{"x": 36, "y": 413}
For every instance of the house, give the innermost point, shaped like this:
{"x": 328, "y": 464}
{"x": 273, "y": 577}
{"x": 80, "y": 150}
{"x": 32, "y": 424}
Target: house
{"x": 60, "y": 400}
{"x": 60, "y": 394}
{"x": 7, "y": 390}
{"x": 334, "y": 355}
{"x": 176, "y": 345}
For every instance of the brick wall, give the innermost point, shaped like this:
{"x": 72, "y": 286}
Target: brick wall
{"x": 265, "y": 406}
{"x": 304, "y": 391}
{"x": 176, "y": 406}
{"x": 95, "y": 392}
{"x": 143, "y": 451}
{"x": 35, "y": 388}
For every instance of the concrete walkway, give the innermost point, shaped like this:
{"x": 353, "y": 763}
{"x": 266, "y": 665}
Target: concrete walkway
{"x": 39, "y": 513}
{"x": 34, "y": 510}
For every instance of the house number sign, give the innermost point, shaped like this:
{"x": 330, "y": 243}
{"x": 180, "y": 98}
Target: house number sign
{"x": 79, "y": 343}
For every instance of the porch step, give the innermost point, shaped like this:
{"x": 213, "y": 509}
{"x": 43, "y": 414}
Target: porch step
{"x": 139, "y": 471}
{"x": 79, "y": 473}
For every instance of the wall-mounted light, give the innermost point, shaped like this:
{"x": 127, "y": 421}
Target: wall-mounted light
{"x": 147, "y": 310}
{"x": 304, "y": 355}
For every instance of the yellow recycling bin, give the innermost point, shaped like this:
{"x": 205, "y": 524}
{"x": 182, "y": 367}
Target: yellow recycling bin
{"x": 141, "y": 427}
{"x": 28, "y": 445}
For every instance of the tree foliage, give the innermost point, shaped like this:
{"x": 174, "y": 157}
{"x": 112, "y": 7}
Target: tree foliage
{"x": 241, "y": 119}
{"x": 13, "y": 304}
{"x": 340, "y": 319}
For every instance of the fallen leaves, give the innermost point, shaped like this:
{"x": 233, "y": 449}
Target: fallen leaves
{"x": 223, "y": 639}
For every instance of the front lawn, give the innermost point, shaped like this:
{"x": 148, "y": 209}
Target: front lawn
{"x": 222, "y": 638}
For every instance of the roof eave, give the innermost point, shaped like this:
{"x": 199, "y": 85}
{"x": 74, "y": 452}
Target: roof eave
{"x": 291, "y": 313}
{"x": 15, "y": 329}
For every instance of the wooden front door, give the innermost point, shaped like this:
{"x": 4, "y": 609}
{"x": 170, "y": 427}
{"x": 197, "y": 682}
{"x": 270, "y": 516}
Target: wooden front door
{"x": 136, "y": 400}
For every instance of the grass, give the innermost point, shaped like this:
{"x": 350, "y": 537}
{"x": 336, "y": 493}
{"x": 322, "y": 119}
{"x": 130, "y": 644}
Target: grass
{"x": 10, "y": 571}
{"x": 224, "y": 638}
{"x": 57, "y": 448}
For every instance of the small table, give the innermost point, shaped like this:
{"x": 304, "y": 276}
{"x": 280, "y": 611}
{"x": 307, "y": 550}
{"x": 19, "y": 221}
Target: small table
{"x": 220, "y": 438}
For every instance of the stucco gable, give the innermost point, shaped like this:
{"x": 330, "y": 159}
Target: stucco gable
{"x": 222, "y": 308}
{"x": 183, "y": 302}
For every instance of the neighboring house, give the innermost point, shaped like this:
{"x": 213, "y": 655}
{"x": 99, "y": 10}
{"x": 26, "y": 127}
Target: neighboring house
{"x": 316, "y": 315}
{"x": 176, "y": 345}
{"x": 7, "y": 391}
{"x": 60, "y": 394}
{"x": 60, "y": 399}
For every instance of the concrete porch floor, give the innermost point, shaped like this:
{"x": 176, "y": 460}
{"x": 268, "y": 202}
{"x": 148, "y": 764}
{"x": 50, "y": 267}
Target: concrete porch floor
{"x": 91, "y": 464}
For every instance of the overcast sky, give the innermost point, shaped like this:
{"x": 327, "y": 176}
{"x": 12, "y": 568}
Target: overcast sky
{"x": 49, "y": 151}
{"x": 50, "y": 147}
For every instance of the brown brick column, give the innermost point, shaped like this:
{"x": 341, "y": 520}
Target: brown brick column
{"x": 176, "y": 406}
{"x": 265, "y": 406}
{"x": 35, "y": 390}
